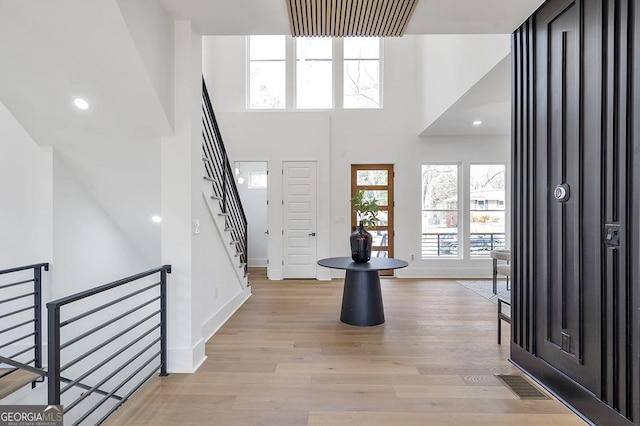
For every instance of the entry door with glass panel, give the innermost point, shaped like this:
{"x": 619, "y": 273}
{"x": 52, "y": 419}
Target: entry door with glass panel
{"x": 376, "y": 180}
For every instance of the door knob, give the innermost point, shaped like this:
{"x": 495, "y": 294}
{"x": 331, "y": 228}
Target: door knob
{"x": 562, "y": 193}
{"x": 313, "y": 234}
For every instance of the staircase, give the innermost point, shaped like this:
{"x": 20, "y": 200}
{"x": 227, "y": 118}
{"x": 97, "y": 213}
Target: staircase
{"x": 221, "y": 193}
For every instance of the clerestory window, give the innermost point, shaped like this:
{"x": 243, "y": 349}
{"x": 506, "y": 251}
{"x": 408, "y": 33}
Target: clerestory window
{"x": 267, "y": 72}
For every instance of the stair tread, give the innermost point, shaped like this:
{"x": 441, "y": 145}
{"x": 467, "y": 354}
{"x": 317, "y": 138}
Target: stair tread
{"x": 14, "y": 381}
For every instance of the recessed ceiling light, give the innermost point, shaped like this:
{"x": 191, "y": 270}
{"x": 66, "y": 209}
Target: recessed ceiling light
{"x": 477, "y": 122}
{"x": 81, "y": 103}
{"x": 156, "y": 219}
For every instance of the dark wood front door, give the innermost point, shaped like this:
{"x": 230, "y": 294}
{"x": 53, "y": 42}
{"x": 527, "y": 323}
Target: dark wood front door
{"x": 576, "y": 209}
{"x": 568, "y": 336}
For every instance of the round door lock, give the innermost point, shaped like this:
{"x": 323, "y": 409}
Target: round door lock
{"x": 561, "y": 193}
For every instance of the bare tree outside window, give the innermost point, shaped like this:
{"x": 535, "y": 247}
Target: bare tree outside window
{"x": 487, "y": 208}
{"x": 440, "y": 210}
{"x": 267, "y": 72}
{"x": 361, "y": 72}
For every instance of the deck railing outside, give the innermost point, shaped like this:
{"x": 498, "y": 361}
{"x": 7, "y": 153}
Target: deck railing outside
{"x": 445, "y": 244}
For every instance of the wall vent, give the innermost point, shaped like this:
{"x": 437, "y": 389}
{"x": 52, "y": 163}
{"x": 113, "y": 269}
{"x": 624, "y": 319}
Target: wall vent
{"x": 521, "y": 387}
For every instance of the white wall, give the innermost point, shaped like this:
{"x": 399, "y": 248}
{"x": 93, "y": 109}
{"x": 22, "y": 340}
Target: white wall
{"x": 89, "y": 248}
{"x": 339, "y": 138}
{"x": 26, "y": 237}
{"x": 204, "y": 289}
{"x": 151, "y": 29}
{"x": 25, "y": 196}
{"x": 451, "y": 64}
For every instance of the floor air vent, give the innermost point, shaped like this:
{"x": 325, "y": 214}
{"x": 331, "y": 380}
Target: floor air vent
{"x": 521, "y": 387}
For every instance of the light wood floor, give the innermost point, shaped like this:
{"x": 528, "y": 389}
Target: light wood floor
{"x": 285, "y": 359}
{"x": 14, "y": 381}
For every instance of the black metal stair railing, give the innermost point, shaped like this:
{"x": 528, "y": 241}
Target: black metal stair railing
{"x": 220, "y": 174}
{"x": 105, "y": 343}
{"x": 21, "y": 318}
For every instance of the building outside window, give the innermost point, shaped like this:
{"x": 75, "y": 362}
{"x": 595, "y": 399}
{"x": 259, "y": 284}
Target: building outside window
{"x": 361, "y": 72}
{"x": 267, "y": 72}
{"x": 487, "y": 216}
{"x": 314, "y": 72}
{"x": 442, "y": 207}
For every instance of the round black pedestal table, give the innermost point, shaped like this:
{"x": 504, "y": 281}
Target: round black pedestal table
{"x": 362, "y": 296}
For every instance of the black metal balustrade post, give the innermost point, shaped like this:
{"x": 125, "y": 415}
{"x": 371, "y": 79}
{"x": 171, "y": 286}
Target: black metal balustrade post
{"x": 163, "y": 319}
{"x": 36, "y": 306}
{"x": 53, "y": 351}
{"x": 37, "y": 314}
{"x": 225, "y": 180}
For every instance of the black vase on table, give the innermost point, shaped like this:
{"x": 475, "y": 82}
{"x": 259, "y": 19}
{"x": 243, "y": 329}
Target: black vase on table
{"x": 361, "y": 242}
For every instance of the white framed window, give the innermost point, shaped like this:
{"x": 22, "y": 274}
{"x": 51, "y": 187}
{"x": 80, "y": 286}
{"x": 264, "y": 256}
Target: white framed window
{"x": 463, "y": 210}
{"x": 299, "y": 73}
{"x": 487, "y": 193}
{"x": 440, "y": 202}
{"x": 314, "y": 72}
{"x": 361, "y": 72}
{"x": 267, "y": 72}
{"x": 257, "y": 180}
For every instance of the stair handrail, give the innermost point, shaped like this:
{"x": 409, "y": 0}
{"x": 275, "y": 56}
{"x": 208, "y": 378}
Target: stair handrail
{"x": 220, "y": 173}
{"x": 55, "y": 345}
{"x": 37, "y": 317}
{"x": 20, "y": 365}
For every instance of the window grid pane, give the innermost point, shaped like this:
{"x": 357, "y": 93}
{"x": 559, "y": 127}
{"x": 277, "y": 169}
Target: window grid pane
{"x": 362, "y": 48}
{"x": 361, "y": 72}
{"x": 440, "y": 210}
{"x": 487, "y": 208}
{"x": 267, "y": 72}
{"x": 372, "y": 177}
{"x": 267, "y": 48}
{"x": 314, "y": 73}
{"x": 267, "y": 85}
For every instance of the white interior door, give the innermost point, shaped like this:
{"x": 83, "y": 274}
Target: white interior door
{"x": 299, "y": 219}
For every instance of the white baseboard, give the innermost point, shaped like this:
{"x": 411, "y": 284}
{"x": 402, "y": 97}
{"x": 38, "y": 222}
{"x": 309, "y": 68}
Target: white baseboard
{"x": 445, "y": 272}
{"x": 257, "y": 263}
{"x": 186, "y": 360}
{"x": 217, "y": 320}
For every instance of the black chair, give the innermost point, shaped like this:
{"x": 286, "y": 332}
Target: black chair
{"x": 504, "y": 314}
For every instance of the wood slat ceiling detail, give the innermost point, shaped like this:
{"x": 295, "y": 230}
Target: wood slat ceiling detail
{"x": 350, "y": 18}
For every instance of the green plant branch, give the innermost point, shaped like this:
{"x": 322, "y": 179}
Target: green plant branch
{"x": 366, "y": 210}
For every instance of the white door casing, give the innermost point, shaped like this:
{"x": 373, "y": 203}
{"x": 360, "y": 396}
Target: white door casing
{"x": 299, "y": 189}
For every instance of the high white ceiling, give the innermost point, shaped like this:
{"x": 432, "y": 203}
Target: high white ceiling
{"x": 489, "y": 101}
{"x": 241, "y": 17}
{"x": 53, "y": 51}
